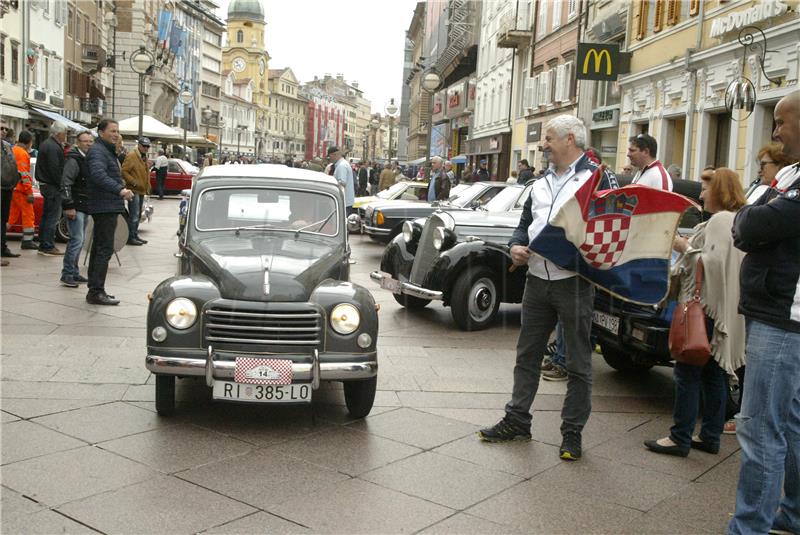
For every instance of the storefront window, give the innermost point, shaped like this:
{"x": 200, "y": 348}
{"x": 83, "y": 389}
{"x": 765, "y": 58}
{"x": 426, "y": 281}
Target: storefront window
{"x": 719, "y": 135}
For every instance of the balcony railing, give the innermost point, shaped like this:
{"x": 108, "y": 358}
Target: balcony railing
{"x": 514, "y": 30}
{"x": 95, "y": 106}
{"x": 93, "y": 57}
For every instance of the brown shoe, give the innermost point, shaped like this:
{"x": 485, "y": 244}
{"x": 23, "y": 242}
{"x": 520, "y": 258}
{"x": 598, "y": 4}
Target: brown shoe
{"x": 4, "y": 263}
{"x": 51, "y": 252}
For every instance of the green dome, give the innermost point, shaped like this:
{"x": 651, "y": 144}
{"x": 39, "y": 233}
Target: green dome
{"x": 246, "y": 9}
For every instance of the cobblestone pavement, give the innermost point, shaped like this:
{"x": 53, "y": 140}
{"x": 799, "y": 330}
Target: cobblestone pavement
{"x": 83, "y": 449}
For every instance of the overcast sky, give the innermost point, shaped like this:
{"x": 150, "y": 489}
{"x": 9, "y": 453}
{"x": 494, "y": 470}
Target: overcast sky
{"x": 362, "y": 39}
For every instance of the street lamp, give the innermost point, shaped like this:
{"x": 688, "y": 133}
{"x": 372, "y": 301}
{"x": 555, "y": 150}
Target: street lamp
{"x": 142, "y": 63}
{"x": 374, "y": 124}
{"x": 221, "y": 128}
{"x": 185, "y": 97}
{"x": 391, "y": 111}
{"x": 241, "y": 128}
{"x": 431, "y": 82}
{"x": 207, "y": 115}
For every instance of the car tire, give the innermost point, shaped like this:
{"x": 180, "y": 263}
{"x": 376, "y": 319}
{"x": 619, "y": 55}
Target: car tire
{"x": 621, "y": 361}
{"x": 359, "y": 396}
{"x": 62, "y": 230}
{"x": 411, "y": 302}
{"x": 475, "y": 299}
{"x": 165, "y": 395}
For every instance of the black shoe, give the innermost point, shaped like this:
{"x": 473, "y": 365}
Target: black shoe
{"x": 141, "y": 240}
{"x": 570, "y": 449}
{"x": 29, "y": 245}
{"x": 81, "y": 279}
{"x": 504, "y": 431}
{"x": 676, "y": 450}
{"x": 101, "y": 299}
{"x": 134, "y": 241}
{"x": 69, "y": 282}
{"x": 703, "y": 446}
{"x": 5, "y": 252}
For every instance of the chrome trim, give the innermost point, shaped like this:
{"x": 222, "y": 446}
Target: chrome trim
{"x": 266, "y": 315}
{"x": 224, "y": 369}
{"x": 408, "y": 288}
{"x": 377, "y": 230}
{"x": 258, "y": 328}
{"x": 315, "y": 371}
{"x": 265, "y": 342}
{"x": 209, "y": 367}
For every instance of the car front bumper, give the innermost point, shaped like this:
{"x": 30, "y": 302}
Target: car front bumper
{"x": 377, "y": 231}
{"x": 387, "y": 282}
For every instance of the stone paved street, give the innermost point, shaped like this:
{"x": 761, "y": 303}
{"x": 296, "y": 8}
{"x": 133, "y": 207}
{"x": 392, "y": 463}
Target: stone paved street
{"x": 84, "y": 451}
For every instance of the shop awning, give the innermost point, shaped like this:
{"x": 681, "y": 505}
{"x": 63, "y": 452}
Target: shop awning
{"x": 151, "y": 127}
{"x": 13, "y": 111}
{"x": 417, "y": 161}
{"x": 72, "y": 125}
{"x": 461, "y": 158}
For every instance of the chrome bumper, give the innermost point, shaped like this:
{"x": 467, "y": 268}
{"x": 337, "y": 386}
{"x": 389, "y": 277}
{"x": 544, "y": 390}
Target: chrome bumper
{"x": 377, "y": 230}
{"x": 387, "y": 282}
{"x": 212, "y": 368}
{"x": 354, "y": 224}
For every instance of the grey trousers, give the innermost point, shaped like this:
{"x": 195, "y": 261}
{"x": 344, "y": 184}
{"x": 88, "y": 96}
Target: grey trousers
{"x": 544, "y": 303}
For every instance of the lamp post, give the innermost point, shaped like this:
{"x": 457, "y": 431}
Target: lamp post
{"x": 112, "y": 21}
{"x": 207, "y": 114}
{"x": 391, "y": 111}
{"x": 142, "y": 63}
{"x": 185, "y": 97}
{"x": 374, "y": 124}
{"x": 431, "y": 81}
{"x": 221, "y": 128}
{"x": 241, "y": 128}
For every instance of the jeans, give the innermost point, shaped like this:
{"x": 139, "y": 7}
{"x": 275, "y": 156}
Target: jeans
{"x": 5, "y": 209}
{"x": 51, "y": 213}
{"x": 77, "y": 233}
{"x": 134, "y": 211}
{"x": 545, "y": 303}
{"x": 558, "y": 357}
{"x": 691, "y": 383}
{"x": 161, "y": 176}
{"x": 102, "y": 250}
{"x": 768, "y": 430}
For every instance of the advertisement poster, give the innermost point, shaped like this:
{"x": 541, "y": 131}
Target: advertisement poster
{"x": 439, "y": 140}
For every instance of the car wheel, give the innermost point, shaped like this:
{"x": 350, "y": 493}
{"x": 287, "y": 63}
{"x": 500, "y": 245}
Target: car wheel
{"x": 475, "y": 299}
{"x": 165, "y": 394}
{"x": 62, "y": 230}
{"x": 359, "y": 396}
{"x": 621, "y": 361}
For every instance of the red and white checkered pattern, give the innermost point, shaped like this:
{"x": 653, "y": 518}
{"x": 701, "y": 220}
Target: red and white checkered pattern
{"x": 263, "y": 371}
{"x": 605, "y": 241}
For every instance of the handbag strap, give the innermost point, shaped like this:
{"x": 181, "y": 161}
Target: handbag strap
{"x": 699, "y": 273}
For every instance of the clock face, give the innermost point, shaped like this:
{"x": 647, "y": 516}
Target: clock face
{"x": 239, "y": 64}
{"x": 262, "y": 65}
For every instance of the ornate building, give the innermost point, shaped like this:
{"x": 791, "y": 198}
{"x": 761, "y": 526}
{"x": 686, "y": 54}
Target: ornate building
{"x": 286, "y": 116}
{"x": 245, "y": 55}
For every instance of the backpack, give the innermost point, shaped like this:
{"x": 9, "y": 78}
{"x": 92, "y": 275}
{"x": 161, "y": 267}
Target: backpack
{"x": 9, "y": 174}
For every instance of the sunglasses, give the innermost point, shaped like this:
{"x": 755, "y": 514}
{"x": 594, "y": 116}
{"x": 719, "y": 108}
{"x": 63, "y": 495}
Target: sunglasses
{"x": 762, "y": 165}
{"x": 3, "y": 128}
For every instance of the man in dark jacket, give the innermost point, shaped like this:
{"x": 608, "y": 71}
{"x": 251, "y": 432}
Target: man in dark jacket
{"x": 373, "y": 178}
{"x": 525, "y": 172}
{"x": 363, "y": 179}
{"x": 73, "y": 202}
{"x": 107, "y": 196}
{"x": 482, "y": 174}
{"x": 768, "y": 424}
{"x": 10, "y": 177}
{"x": 49, "y": 170}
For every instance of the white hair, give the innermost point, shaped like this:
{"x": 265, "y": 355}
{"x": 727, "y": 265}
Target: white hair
{"x": 563, "y": 125}
{"x": 58, "y": 128}
{"x": 437, "y": 159}
{"x": 448, "y": 162}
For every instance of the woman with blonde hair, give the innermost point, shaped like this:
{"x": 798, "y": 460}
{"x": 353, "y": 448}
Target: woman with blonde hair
{"x": 770, "y": 160}
{"x": 722, "y": 195}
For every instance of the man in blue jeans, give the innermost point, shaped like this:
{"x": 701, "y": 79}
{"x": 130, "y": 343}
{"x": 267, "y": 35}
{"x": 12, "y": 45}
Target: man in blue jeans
{"x": 73, "y": 202}
{"x": 768, "y": 424}
{"x": 49, "y": 169}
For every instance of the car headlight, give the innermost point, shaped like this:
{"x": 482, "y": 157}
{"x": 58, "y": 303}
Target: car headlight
{"x": 411, "y": 232}
{"x": 181, "y": 313}
{"x": 345, "y": 318}
{"x": 443, "y": 238}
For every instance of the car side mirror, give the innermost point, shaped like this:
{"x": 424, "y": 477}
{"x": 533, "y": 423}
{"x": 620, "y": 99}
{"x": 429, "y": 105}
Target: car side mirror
{"x": 475, "y": 204}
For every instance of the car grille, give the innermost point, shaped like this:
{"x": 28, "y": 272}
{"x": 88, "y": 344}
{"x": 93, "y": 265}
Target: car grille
{"x": 362, "y": 213}
{"x": 264, "y": 324}
{"x": 368, "y": 213}
{"x": 426, "y": 252}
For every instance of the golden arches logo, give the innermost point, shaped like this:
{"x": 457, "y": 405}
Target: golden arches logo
{"x": 598, "y": 61}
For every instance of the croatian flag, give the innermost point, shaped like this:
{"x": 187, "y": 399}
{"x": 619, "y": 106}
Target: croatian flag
{"x": 619, "y": 239}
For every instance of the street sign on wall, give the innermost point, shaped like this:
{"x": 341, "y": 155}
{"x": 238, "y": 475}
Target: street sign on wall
{"x": 597, "y": 61}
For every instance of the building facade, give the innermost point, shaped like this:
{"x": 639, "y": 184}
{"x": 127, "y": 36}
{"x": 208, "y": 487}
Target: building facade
{"x": 12, "y": 66}
{"x": 286, "y": 116}
{"x": 325, "y": 118}
{"x": 357, "y": 109}
{"x": 419, "y": 102}
{"x": 211, "y": 71}
{"x": 239, "y": 116}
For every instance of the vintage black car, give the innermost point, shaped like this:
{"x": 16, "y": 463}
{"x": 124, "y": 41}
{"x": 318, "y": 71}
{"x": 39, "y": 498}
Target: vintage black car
{"x": 383, "y": 221}
{"x": 261, "y": 305}
{"x": 460, "y": 258}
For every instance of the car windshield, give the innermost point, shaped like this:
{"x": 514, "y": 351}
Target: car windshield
{"x": 470, "y": 193}
{"x": 266, "y": 208}
{"x": 392, "y": 192}
{"x": 456, "y": 191}
{"x": 504, "y": 200}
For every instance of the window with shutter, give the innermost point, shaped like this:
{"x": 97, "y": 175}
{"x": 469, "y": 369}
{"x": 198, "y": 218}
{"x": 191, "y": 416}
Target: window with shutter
{"x": 559, "y": 89}
{"x": 658, "y": 24}
{"x": 534, "y": 101}
{"x": 641, "y": 25}
{"x": 552, "y": 85}
{"x": 572, "y": 9}
{"x": 556, "y": 14}
{"x": 673, "y": 12}
{"x": 542, "y": 17}
{"x": 568, "y": 85}
{"x": 694, "y": 7}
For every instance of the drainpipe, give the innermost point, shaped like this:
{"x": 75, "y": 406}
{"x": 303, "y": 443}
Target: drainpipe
{"x": 26, "y": 43}
{"x": 511, "y": 92}
{"x": 690, "y": 111}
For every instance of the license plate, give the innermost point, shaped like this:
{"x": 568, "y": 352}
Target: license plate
{"x": 294, "y": 393}
{"x": 607, "y": 322}
{"x": 393, "y": 285}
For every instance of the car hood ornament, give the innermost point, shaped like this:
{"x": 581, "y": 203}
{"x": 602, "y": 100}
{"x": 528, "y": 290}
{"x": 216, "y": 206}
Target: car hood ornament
{"x": 265, "y": 262}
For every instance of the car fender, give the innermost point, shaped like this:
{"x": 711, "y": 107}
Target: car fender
{"x": 398, "y": 257}
{"x": 199, "y": 288}
{"x": 330, "y": 293}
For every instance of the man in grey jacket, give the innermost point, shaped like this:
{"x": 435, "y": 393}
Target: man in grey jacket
{"x": 74, "y": 203}
{"x": 49, "y": 169}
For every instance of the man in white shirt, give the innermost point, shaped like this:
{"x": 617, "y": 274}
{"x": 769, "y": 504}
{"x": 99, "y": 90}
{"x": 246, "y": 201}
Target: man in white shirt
{"x": 642, "y": 154}
{"x": 161, "y": 164}
{"x": 343, "y": 173}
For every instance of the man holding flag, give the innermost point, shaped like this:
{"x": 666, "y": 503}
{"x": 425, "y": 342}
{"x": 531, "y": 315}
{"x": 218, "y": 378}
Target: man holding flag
{"x": 552, "y": 294}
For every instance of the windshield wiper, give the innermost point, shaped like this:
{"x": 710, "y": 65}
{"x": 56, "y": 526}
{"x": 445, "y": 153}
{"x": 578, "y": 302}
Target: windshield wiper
{"x": 254, "y": 227}
{"x": 321, "y": 224}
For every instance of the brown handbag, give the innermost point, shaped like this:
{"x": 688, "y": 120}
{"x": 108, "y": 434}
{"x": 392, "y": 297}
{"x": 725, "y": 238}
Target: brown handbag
{"x": 688, "y": 338}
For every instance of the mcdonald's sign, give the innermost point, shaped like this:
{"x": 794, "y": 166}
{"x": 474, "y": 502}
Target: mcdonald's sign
{"x": 597, "y": 61}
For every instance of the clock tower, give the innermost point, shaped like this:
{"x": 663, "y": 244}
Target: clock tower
{"x": 245, "y": 54}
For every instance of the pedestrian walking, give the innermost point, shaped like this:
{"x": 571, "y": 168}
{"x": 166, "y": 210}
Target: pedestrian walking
{"x": 722, "y": 196}
{"x": 162, "y": 166}
{"x": 482, "y": 174}
{"x": 525, "y": 172}
{"x": 386, "y": 178}
{"x": 49, "y": 170}
{"x": 551, "y": 295}
{"x": 9, "y": 176}
{"x": 137, "y": 179}
{"x": 451, "y": 175}
{"x": 343, "y": 173}
{"x": 373, "y": 178}
{"x": 106, "y": 200}
{"x": 363, "y": 179}
{"x": 642, "y": 151}
{"x": 771, "y": 159}
{"x": 22, "y": 200}
{"x": 768, "y": 425}
{"x": 74, "y": 197}
{"x": 439, "y": 185}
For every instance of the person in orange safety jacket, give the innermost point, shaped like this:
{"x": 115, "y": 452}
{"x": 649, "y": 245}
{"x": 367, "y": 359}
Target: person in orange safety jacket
{"x": 22, "y": 199}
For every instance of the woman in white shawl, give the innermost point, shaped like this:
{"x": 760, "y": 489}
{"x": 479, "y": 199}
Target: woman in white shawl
{"x": 722, "y": 196}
